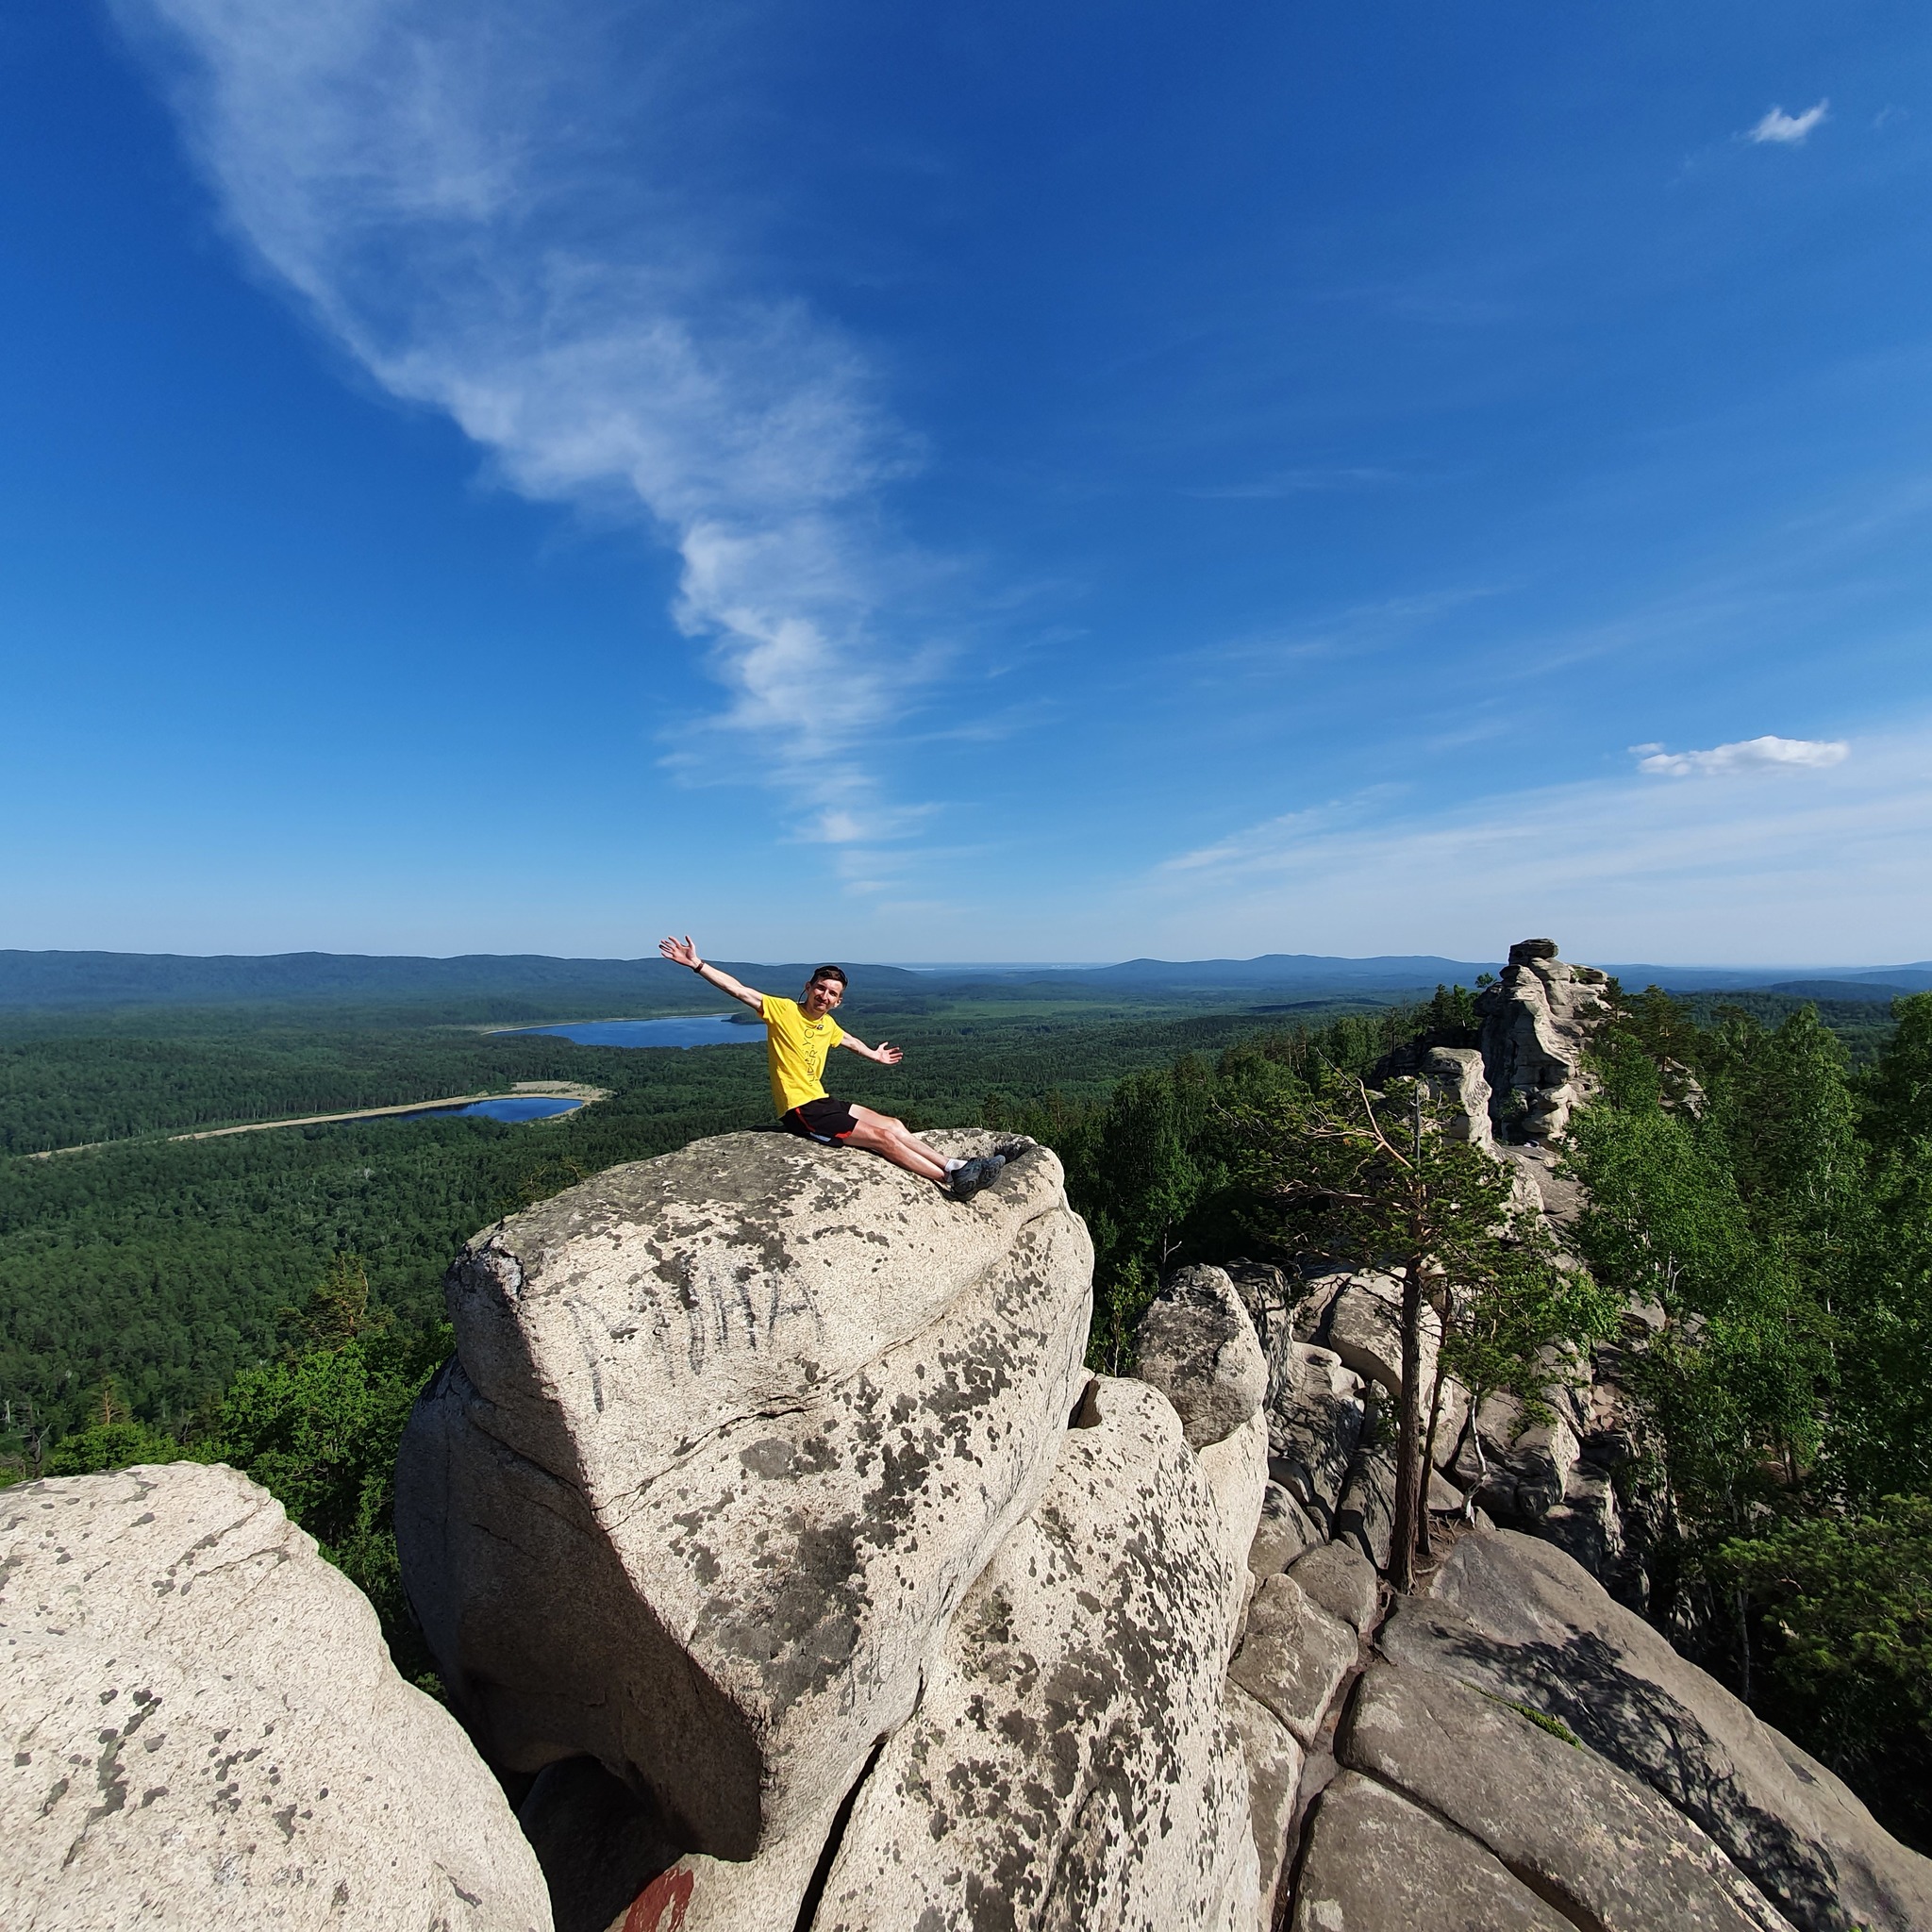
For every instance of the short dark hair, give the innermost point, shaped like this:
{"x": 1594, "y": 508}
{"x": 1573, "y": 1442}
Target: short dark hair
{"x": 819, "y": 972}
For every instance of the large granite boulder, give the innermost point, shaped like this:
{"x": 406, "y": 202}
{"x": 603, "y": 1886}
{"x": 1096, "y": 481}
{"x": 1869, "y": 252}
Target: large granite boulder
{"x": 1458, "y": 1074}
{"x": 1275, "y": 1762}
{"x": 1341, "y": 1581}
{"x": 1284, "y": 1530}
{"x": 205, "y": 1730}
{"x": 1293, "y": 1655}
{"x": 1364, "y": 1328}
{"x": 1071, "y": 1762}
{"x": 1313, "y": 1433}
{"x": 1515, "y": 1618}
{"x": 1583, "y": 1835}
{"x": 1197, "y": 1343}
{"x": 1516, "y": 1466}
{"x": 726, "y": 1438}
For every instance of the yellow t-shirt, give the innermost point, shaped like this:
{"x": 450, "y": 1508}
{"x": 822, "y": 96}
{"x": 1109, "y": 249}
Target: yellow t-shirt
{"x": 796, "y": 1048}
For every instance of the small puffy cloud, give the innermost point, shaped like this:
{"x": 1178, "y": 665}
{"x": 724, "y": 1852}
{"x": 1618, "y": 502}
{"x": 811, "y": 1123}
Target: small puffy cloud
{"x": 1748, "y": 755}
{"x": 1787, "y": 130}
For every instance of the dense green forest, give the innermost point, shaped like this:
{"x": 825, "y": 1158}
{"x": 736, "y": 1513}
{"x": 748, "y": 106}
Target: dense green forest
{"x": 163, "y": 1264}
{"x": 1783, "y": 1217}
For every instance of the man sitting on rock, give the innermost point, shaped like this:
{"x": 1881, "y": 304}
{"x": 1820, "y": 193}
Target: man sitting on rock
{"x": 798, "y": 1035}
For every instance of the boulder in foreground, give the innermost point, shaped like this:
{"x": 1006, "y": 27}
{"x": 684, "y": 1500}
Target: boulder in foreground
{"x": 203, "y": 1729}
{"x": 729, "y": 1436}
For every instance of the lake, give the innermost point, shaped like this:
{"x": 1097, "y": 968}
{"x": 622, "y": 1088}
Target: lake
{"x": 510, "y": 1106}
{"x": 697, "y": 1030}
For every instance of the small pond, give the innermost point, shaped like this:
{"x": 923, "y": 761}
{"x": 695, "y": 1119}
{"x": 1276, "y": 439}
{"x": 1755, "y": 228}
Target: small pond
{"x": 697, "y": 1029}
{"x": 510, "y": 1106}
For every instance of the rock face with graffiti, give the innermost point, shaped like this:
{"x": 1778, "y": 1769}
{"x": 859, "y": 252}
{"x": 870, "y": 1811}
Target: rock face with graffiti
{"x": 788, "y": 1570}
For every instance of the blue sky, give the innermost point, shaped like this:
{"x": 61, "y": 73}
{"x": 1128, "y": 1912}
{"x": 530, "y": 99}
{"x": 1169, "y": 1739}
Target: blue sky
{"x": 1002, "y": 483}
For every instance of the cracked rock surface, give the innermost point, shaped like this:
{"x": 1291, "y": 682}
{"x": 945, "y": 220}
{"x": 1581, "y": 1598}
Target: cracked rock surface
{"x": 1515, "y": 1618}
{"x": 727, "y": 1436}
{"x": 203, "y": 1729}
{"x": 1073, "y": 1762}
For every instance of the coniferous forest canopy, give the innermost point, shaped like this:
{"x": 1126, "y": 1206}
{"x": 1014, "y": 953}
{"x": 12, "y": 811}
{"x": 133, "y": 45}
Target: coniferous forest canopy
{"x": 1759, "y": 1165}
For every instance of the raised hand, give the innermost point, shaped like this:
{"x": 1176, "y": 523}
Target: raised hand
{"x": 888, "y": 1055}
{"x": 680, "y": 952}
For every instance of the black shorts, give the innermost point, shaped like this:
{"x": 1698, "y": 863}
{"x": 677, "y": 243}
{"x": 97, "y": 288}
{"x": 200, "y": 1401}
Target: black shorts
{"x": 820, "y": 1120}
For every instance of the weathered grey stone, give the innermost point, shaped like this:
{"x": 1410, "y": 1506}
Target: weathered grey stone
{"x": 1275, "y": 1762}
{"x": 1607, "y": 1850}
{"x": 1071, "y": 1763}
{"x": 1537, "y": 1021}
{"x": 704, "y": 1895}
{"x": 1237, "y": 1472}
{"x": 1450, "y": 1420}
{"x": 1523, "y": 1467}
{"x": 1458, "y": 1072}
{"x": 1588, "y": 1525}
{"x": 205, "y": 1730}
{"x": 1312, "y": 1440}
{"x": 1514, "y": 1615}
{"x": 1365, "y": 1516}
{"x": 1377, "y": 1863}
{"x": 1286, "y": 1530}
{"x": 1340, "y": 1580}
{"x": 729, "y": 1435}
{"x": 1364, "y": 1328}
{"x": 1317, "y": 1297}
{"x": 1293, "y": 1656}
{"x": 1272, "y": 1296}
{"x": 1197, "y": 1343}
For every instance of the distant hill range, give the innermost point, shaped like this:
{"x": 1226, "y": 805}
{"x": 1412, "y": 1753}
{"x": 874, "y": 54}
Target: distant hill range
{"x": 115, "y": 979}
{"x": 57, "y": 981}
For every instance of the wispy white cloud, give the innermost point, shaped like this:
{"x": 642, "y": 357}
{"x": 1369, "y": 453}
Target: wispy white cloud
{"x": 1787, "y": 130}
{"x": 454, "y": 192}
{"x": 1755, "y": 869}
{"x": 1748, "y": 755}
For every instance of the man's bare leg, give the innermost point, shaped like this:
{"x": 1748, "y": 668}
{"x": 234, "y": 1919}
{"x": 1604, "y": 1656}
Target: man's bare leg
{"x": 879, "y": 1133}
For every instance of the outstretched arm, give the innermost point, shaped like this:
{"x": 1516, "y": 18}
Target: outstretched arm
{"x": 885, "y": 1053}
{"x": 682, "y": 952}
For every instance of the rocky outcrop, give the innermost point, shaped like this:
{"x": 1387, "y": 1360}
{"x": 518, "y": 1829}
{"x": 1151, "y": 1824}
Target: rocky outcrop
{"x": 1582, "y": 1834}
{"x": 1520, "y": 1751}
{"x": 1293, "y": 1655}
{"x": 727, "y": 1438}
{"x": 1197, "y": 1345}
{"x": 1077, "y": 1756}
{"x": 1458, "y": 1075}
{"x": 1536, "y": 1022}
{"x": 1314, "y": 1430}
{"x": 204, "y": 1729}
{"x": 1519, "y": 1622}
